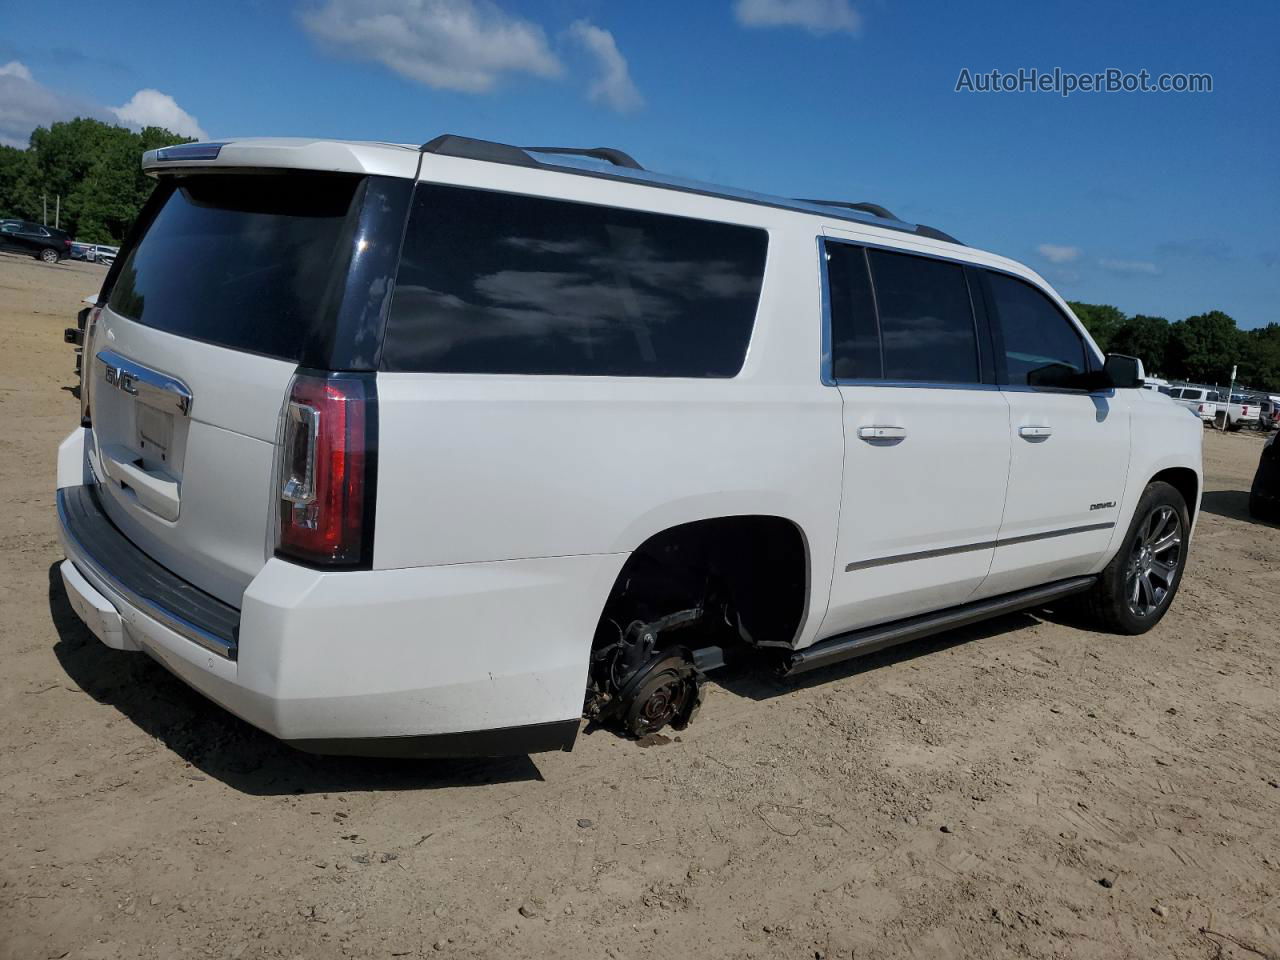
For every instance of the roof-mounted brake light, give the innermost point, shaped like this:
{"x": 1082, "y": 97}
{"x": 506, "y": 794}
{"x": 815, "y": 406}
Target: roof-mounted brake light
{"x": 189, "y": 151}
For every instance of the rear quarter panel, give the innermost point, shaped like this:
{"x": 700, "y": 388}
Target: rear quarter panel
{"x": 487, "y": 467}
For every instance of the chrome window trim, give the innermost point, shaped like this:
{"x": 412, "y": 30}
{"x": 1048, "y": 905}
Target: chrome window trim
{"x": 826, "y": 373}
{"x": 1070, "y": 391}
{"x": 163, "y": 615}
{"x": 916, "y": 384}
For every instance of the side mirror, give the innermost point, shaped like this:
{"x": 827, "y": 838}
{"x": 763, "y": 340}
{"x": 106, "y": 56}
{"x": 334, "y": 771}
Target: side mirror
{"x": 1126, "y": 373}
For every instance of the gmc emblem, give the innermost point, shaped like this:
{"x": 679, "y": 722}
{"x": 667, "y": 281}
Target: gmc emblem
{"x": 121, "y": 379}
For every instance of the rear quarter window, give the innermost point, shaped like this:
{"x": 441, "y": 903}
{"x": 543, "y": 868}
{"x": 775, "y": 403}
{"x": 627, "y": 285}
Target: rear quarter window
{"x": 506, "y": 284}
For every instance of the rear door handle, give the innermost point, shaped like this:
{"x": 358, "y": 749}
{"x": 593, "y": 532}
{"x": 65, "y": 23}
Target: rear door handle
{"x": 1035, "y": 433}
{"x": 882, "y": 433}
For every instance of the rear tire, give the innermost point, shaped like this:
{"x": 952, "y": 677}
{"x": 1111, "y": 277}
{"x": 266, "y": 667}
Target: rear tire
{"x": 48, "y": 255}
{"x": 1135, "y": 589}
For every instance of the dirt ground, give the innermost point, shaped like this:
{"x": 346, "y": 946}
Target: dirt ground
{"x": 1021, "y": 789}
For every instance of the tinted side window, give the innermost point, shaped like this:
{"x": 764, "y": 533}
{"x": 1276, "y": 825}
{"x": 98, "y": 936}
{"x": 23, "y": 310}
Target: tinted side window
{"x": 500, "y": 283}
{"x": 1041, "y": 347}
{"x": 926, "y": 319}
{"x": 855, "y": 338}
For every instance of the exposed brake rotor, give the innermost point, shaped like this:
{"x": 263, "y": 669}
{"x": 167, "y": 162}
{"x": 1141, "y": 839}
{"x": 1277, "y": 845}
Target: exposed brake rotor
{"x": 666, "y": 691}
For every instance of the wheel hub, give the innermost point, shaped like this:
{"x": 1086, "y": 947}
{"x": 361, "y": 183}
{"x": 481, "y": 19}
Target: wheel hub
{"x": 665, "y": 692}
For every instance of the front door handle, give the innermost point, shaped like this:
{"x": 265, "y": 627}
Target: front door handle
{"x": 1035, "y": 433}
{"x": 874, "y": 433}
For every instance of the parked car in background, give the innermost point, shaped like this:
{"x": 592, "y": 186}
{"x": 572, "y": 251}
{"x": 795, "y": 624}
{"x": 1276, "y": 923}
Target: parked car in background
{"x": 81, "y": 251}
{"x": 1269, "y": 413}
{"x": 1198, "y": 400}
{"x": 104, "y": 254}
{"x": 1156, "y": 384}
{"x": 44, "y": 243}
{"x": 1264, "y": 495}
{"x": 412, "y": 451}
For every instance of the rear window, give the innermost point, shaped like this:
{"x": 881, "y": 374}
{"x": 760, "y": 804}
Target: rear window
{"x": 250, "y": 262}
{"x": 499, "y": 283}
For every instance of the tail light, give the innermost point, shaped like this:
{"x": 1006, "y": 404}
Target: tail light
{"x": 328, "y": 459}
{"x": 87, "y": 321}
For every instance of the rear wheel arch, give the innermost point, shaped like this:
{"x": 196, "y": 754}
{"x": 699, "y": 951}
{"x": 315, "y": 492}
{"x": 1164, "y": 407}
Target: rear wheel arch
{"x": 761, "y": 561}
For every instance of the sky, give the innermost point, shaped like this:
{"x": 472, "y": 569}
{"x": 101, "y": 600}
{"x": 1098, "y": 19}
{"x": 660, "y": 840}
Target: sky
{"x": 1159, "y": 203}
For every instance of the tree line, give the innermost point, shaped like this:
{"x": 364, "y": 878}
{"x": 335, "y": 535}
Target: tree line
{"x": 1201, "y": 349}
{"x": 95, "y": 169}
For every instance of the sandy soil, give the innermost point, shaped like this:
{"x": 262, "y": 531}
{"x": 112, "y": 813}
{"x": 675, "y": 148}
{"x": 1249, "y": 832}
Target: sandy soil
{"x": 1023, "y": 789}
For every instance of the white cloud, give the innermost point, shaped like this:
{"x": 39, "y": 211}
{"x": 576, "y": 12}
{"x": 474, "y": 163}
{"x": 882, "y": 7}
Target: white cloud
{"x": 17, "y": 69}
{"x": 613, "y": 87}
{"x": 1131, "y": 267}
{"x": 151, "y": 108}
{"x": 1056, "y": 253}
{"x": 816, "y": 16}
{"x": 25, "y": 104}
{"x": 462, "y": 45}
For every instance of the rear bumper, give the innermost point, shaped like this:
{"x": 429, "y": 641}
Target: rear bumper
{"x": 480, "y": 659}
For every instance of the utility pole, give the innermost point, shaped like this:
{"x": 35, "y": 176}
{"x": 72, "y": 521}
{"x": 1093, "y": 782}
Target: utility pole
{"x": 57, "y": 212}
{"x": 44, "y": 209}
{"x": 1226, "y": 414}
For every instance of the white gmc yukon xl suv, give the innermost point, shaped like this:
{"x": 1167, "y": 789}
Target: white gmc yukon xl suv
{"x": 433, "y": 451}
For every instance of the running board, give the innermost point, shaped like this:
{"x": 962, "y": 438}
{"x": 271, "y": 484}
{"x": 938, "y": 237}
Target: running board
{"x": 858, "y": 643}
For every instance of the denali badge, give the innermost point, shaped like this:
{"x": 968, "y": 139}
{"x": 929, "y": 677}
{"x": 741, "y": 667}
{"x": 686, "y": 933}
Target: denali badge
{"x": 1102, "y": 506}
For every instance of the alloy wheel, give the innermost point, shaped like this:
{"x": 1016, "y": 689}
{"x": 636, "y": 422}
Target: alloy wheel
{"x": 1154, "y": 561}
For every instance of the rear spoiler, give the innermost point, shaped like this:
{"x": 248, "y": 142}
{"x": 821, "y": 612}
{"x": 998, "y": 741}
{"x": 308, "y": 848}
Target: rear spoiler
{"x": 282, "y": 153}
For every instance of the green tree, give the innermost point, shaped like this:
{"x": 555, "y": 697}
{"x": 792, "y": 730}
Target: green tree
{"x": 1260, "y": 358}
{"x": 1204, "y": 347}
{"x": 1144, "y": 337}
{"x": 18, "y": 194}
{"x": 93, "y": 167}
{"x": 1101, "y": 320}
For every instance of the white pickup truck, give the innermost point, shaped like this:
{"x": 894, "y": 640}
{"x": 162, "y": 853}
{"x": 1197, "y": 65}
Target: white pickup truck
{"x": 1201, "y": 401}
{"x": 416, "y": 450}
{"x": 1240, "y": 412}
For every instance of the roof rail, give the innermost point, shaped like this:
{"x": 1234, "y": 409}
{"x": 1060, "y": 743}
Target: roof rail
{"x": 923, "y": 229}
{"x": 451, "y": 145}
{"x": 627, "y": 169}
{"x": 616, "y": 157}
{"x": 866, "y": 207}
